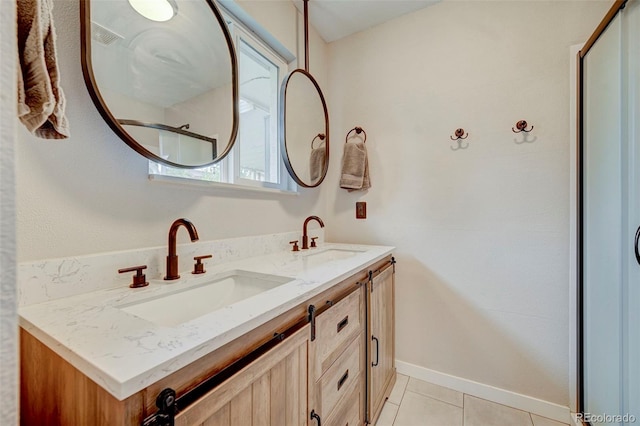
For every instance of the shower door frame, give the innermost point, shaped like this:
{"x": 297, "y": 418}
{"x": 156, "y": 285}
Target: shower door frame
{"x": 617, "y": 6}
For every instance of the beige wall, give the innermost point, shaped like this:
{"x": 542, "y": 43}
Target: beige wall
{"x": 90, "y": 193}
{"x": 482, "y": 233}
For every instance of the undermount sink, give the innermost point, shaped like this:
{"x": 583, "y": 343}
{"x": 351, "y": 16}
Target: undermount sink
{"x": 329, "y": 255}
{"x": 214, "y": 293}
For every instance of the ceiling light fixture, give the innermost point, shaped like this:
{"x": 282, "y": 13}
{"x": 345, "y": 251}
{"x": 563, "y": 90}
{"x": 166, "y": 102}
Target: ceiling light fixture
{"x": 155, "y": 10}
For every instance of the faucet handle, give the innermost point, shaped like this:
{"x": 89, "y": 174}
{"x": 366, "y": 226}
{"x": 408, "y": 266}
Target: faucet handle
{"x": 313, "y": 242}
{"x": 139, "y": 279}
{"x": 198, "y": 267}
{"x": 295, "y": 245}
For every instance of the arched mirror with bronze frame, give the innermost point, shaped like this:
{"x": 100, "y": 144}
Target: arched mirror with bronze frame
{"x": 304, "y": 123}
{"x": 167, "y": 85}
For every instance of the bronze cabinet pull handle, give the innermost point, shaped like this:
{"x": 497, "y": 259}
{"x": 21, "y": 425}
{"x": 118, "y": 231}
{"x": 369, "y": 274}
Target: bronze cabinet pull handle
{"x": 375, "y": 364}
{"x": 635, "y": 246}
{"x": 342, "y": 324}
{"x": 343, "y": 379}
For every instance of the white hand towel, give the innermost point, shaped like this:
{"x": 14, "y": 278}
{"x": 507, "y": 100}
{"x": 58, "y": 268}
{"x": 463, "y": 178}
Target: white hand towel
{"x": 41, "y": 102}
{"x": 355, "y": 167}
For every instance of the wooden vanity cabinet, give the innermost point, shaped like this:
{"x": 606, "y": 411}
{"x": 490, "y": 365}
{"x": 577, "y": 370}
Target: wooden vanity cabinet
{"x": 318, "y": 371}
{"x": 365, "y": 348}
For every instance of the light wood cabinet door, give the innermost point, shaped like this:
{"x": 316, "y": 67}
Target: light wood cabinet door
{"x": 271, "y": 391}
{"x": 382, "y": 371}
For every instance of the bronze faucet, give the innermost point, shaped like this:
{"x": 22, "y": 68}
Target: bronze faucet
{"x": 172, "y": 258}
{"x": 305, "y": 238}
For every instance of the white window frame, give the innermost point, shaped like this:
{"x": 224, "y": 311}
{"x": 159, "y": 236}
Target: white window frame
{"x": 241, "y": 35}
{"x": 230, "y": 165}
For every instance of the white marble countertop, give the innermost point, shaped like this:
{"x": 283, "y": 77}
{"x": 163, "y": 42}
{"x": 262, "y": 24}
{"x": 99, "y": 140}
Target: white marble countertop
{"x": 124, "y": 353}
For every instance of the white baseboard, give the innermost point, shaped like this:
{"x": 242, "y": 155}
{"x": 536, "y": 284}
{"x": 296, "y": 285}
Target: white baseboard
{"x": 490, "y": 393}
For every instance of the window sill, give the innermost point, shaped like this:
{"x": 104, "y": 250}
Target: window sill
{"x": 224, "y": 187}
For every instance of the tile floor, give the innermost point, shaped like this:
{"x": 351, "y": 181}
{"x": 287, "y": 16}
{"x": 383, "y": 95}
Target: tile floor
{"x": 416, "y": 403}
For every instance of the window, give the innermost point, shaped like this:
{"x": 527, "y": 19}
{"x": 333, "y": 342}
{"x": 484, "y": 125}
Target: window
{"x": 255, "y": 160}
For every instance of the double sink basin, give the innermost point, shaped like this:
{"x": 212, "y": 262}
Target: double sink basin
{"x": 218, "y": 291}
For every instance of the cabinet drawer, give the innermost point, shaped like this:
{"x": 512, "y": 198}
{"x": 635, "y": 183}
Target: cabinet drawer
{"x": 334, "y": 329}
{"x": 349, "y": 410}
{"x": 340, "y": 378}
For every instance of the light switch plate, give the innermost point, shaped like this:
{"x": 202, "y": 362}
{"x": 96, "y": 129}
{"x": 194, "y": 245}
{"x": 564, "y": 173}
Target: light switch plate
{"x": 361, "y": 210}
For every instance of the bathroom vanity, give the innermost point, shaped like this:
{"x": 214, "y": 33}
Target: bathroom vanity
{"x": 316, "y": 350}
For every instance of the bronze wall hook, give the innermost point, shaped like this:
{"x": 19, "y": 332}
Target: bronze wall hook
{"x": 358, "y": 130}
{"x": 522, "y": 127}
{"x": 459, "y": 133}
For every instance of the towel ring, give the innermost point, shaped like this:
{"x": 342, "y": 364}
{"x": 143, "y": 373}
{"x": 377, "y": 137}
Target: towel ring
{"x": 319, "y": 136}
{"x": 358, "y": 130}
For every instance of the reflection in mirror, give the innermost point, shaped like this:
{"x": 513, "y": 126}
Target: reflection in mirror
{"x": 305, "y": 129}
{"x": 167, "y": 85}
{"x": 260, "y": 72}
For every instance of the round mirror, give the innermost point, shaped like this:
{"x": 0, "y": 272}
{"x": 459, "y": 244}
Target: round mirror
{"x": 163, "y": 74}
{"x": 304, "y": 134}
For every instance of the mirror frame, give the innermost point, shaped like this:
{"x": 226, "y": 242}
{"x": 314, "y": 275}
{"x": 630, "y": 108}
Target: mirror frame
{"x": 282, "y": 128}
{"x": 94, "y": 91}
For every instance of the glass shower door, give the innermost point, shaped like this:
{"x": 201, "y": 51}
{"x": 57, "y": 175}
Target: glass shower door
{"x": 631, "y": 295}
{"x": 611, "y": 223}
{"x": 603, "y": 222}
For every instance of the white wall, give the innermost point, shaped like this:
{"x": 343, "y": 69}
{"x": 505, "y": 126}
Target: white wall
{"x": 90, "y": 193}
{"x": 482, "y": 233}
{"x": 8, "y": 303}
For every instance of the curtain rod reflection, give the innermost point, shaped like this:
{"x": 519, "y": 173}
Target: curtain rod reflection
{"x": 181, "y": 129}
